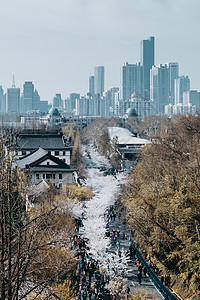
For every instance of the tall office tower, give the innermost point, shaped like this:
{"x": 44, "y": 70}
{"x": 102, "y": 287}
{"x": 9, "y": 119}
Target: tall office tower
{"x": 192, "y": 97}
{"x": 2, "y": 101}
{"x": 13, "y": 100}
{"x": 131, "y": 80}
{"x": 58, "y": 102}
{"x": 99, "y": 80}
{"x": 181, "y": 85}
{"x": 73, "y": 98}
{"x": 173, "y": 74}
{"x": 82, "y": 106}
{"x": 36, "y": 100}
{"x": 147, "y": 59}
{"x": 91, "y": 86}
{"x": 109, "y": 98}
{"x": 159, "y": 87}
{"x": 27, "y": 97}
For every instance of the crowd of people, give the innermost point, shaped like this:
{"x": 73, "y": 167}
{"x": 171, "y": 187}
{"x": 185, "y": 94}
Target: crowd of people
{"x": 88, "y": 280}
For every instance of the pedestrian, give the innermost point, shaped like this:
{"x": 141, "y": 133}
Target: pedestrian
{"x": 93, "y": 297}
{"x": 131, "y": 250}
{"x": 144, "y": 254}
{"x": 79, "y": 296}
{"x": 145, "y": 271}
{"x": 118, "y": 232}
{"x": 162, "y": 279}
{"x": 114, "y": 231}
{"x": 168, "y": 280}
{"x": 84, "y": 294}
{"x": 90, "y": 293}
{"x": 139, "y": 277}
{"x": 90, "y": 274}
{"x": 140, "y": 268}
{"x": 123, "y": 236}
{"x": 150, "y": 264}
{"x": 113, "y": 236}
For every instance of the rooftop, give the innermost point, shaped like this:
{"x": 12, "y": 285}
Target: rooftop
{"x": 125, "y": 137}
{"x": 44, "y": 140}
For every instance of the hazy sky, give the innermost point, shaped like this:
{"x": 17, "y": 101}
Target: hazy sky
{"x": 57, "y": 43}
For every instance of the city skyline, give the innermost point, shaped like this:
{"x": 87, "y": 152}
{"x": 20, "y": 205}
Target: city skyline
{"x": 57, "y": 46}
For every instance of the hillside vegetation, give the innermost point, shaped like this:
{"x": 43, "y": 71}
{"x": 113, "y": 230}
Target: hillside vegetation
{"x": 163, "y": 202}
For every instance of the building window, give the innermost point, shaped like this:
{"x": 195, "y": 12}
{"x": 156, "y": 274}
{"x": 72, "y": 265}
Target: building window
{"x": 63, "y": 152}
{"x": 49, "y": 151}
{"x": 60, "y": 176}
{"x": 37, "y": 176}
{"x": 23, "y": 152}
{"x": 56, "y": 152}
{"x": 47, "y": 163}
{"x": 43, "y": 176}
{"x": 48, "y": 176}
{"x": 54, "y": 176}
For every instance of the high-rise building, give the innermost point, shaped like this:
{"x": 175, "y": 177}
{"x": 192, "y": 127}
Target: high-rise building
{"x": 91, "y": 86}
{"x": 181, "y": 85}
{"x": 36, "y": 100}
{"x": 2, "y": 101}
{"x": 109, "y": 97}
{"x": 159, "y": 87}
{"x": 12, "y": 100}
{"x": 99, "y": 80}
{"x": 131, "y": 80}
{"x": 173, "y": 74}
{"x": 73, "y": 98}
{"x": 27, "y": 97}
{"x": 58, "y": 102}
{"x": 147, "y": 59}
{"x": 192, "y": 97}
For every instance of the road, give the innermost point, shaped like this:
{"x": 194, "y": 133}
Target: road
{"x": 105, "y": 189}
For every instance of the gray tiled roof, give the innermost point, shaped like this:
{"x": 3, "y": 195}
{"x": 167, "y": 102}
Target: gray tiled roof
{"x": 30, "y": 158}
{"x": 44, "y": 141}
{"x": 37, "y": 189}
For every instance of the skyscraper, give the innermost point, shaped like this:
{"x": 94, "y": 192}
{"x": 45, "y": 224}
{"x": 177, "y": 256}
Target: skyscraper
{"x": 2, "y": 101}
{"x": 36, "y": 100}
{"x": 181, "y": 85}
{"x": 173, "y": 74}
{"x": 27, "y": 97}
{"x": 159, "y": 87}
{"x": 99, "y": 80}
{"x": 12, "y": 100}
{"x": 91, "y": 86}
{"x": 73, "y": 98}
{"x": 147, "y": 60}
{"x": 131, "y": 80}
{"x": 58, "y": 102}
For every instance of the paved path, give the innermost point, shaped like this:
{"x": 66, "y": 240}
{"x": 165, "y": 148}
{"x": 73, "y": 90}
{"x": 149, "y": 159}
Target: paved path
{"x": 100, "y": 189}
{"x": 146, "y": 285}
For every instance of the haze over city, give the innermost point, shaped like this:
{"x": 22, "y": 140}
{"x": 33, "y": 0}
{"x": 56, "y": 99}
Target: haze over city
{"x": 56, "y": 44}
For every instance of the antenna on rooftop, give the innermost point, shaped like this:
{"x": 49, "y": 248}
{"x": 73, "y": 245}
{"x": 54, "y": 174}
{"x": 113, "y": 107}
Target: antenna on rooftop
{"x": 13, "y": 81}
